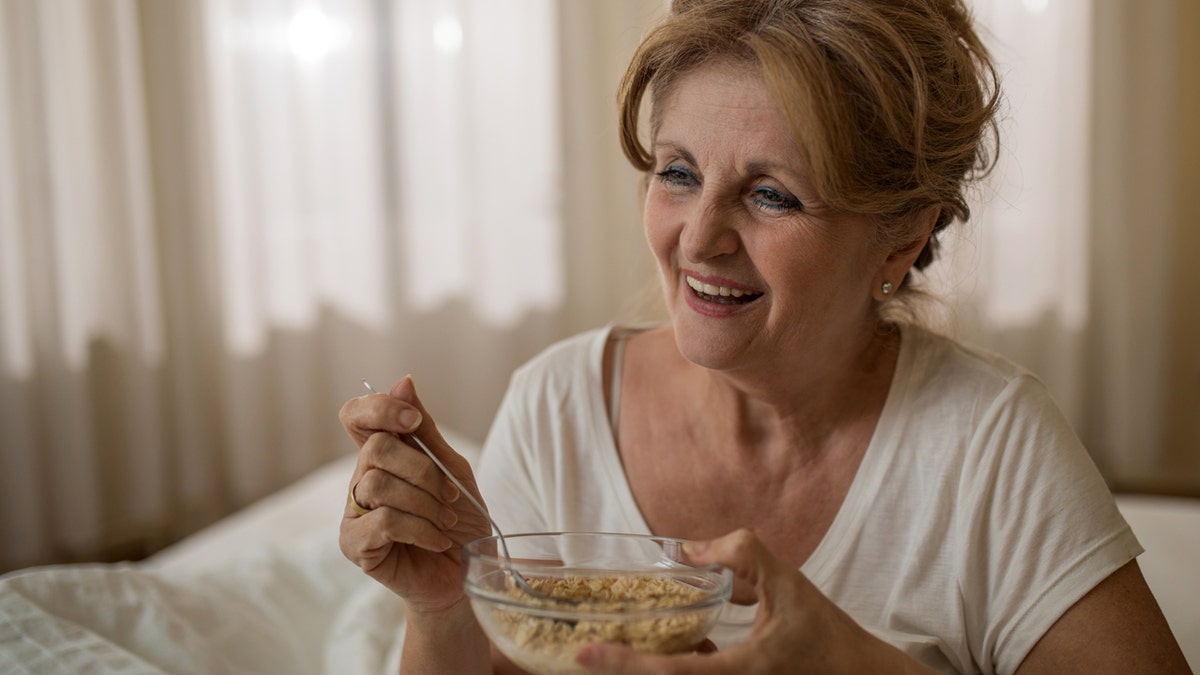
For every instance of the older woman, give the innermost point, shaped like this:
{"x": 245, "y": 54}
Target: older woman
{"x": 898, "y": 501}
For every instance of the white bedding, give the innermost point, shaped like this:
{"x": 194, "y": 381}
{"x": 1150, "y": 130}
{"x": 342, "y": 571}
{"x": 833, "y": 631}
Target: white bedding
{"x": 268, "y": 591}
{"x": 264, "y": 591}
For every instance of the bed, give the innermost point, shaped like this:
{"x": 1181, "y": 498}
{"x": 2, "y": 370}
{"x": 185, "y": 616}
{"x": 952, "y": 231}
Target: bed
{"x": 267, "y": 591}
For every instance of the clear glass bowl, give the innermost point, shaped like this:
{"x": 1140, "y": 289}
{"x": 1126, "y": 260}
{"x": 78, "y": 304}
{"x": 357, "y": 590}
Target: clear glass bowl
{"x": 637, "y": 590}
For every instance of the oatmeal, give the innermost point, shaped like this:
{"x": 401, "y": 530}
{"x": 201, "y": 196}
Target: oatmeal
{"x": 547, "y": 645}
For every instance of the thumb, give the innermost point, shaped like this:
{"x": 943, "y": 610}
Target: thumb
{"x": 406, "y": 390}
{"x": 617, "y": 659}
{"x": 427, "y": 431}
{"x": 745, "y": 555}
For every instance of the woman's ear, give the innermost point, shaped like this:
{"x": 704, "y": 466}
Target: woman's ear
{"x": 900, "y": 260}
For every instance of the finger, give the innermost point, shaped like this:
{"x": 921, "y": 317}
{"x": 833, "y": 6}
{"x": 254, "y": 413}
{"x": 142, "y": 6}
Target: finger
{"x": 378, "y": 488}
{"x": 621, "y": 660}
{"x": 362, "y": 539}
{"x": 607, "y": 657}
{"x": 385, "y": 452}
{"x": 745, "y": 555}
{"x": 405, "y": 390}
{"x": 365, "y": 415}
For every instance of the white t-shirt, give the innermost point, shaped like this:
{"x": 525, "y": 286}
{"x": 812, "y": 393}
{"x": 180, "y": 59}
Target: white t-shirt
{"x": 975, "y": 519}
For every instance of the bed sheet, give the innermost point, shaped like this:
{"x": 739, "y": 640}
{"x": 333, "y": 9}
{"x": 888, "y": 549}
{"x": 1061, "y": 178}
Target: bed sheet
{"x": 264, "y": 591}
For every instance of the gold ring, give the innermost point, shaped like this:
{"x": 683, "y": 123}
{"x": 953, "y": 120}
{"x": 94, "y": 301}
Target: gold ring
{"x": 357, "y": 508}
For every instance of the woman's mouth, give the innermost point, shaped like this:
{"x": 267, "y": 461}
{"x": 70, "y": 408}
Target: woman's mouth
{"x": 722, "y": 295}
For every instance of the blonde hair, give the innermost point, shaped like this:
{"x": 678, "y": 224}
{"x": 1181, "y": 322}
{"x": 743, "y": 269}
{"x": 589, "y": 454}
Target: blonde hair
{"x": 893, "y": 103}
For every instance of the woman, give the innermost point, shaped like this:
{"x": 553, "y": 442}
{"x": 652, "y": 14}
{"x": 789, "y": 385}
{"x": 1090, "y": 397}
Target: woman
{"x": 897, "y": 501}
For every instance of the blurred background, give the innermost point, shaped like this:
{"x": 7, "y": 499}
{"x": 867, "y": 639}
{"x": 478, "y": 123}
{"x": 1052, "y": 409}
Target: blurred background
{"x": 217, "y": 216}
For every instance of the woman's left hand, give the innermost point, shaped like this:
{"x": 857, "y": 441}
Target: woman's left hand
{"x": 797, "y": 629}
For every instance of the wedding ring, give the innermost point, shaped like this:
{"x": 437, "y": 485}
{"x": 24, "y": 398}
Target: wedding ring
{"x": 357, "y": 508}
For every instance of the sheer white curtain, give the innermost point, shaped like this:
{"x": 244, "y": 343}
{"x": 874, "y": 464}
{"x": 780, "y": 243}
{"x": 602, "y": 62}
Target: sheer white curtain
{"x": 315, "y": 158}
{"x": 77, "y": 247}
{"x": 1068, "y": 262}
{"x": 217, "y": 216}
{"x": 1017, "y": 277}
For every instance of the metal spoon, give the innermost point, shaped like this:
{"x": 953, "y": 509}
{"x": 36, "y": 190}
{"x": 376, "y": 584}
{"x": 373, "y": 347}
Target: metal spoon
{"x": 511, "y": 571}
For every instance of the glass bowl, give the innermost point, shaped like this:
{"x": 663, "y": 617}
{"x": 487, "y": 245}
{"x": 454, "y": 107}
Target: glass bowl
{"x": 635, "y": 589}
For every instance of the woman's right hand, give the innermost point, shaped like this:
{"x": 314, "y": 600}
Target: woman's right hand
{"x": 411, "y": 537}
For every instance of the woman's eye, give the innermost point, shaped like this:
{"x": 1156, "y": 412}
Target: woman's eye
{"x": 774, "y": 200}
{"x": 677, "y": 176}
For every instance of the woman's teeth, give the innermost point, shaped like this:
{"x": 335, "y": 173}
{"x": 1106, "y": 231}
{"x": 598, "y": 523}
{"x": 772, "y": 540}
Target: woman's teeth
{"x": 720, "y": 294}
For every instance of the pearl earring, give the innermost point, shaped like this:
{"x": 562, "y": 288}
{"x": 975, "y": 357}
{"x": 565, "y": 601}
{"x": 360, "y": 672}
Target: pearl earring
{"x": 887, "y": 288}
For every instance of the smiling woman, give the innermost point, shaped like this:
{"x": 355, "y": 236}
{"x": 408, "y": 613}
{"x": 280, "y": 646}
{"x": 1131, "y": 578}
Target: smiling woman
{"x": 123, "y": 296}
{"x": 890, "y": 499}
{"x": 217, "y": 216}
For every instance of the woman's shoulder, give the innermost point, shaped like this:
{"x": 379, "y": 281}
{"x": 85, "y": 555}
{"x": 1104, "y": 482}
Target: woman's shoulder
{"x": 566, "y": 354}
{"x": 950, "y": 378}
{"x": 568, "y": 364}
{"x": 951, "y": 360}
{"x": 573, "y": 346}
{"x": 581, "y": 350}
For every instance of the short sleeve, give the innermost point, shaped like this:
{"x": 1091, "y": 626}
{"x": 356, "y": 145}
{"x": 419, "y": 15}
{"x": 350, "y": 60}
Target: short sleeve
{"x": 1037, "y": 523}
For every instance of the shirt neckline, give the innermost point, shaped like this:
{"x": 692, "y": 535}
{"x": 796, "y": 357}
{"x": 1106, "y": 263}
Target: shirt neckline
{"x": 822, "y": 562}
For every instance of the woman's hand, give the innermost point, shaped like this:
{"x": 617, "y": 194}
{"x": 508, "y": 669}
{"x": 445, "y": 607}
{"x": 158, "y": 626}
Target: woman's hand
{"x": 797, "y": 629}
{"x": 411, "y": 537}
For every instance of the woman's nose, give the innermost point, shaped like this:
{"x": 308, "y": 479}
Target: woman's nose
{"x": 710, "y": 232}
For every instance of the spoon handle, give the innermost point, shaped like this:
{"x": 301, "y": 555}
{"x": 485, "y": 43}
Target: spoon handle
{"x": 516, "y": 576}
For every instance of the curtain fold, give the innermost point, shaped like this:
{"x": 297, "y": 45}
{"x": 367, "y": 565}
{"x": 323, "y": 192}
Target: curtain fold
{"x": 219, "y": 216}
{"x": 82, "y": 322}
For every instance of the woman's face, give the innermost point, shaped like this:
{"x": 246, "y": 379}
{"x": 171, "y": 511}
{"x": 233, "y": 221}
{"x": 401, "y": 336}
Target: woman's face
{"x": 755, "y": 269}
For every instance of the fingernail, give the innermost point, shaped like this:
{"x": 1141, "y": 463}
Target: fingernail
{"x": 695, "y": 548}
{"x": 409, "y": 419}
{"x": 588, "y": 656}
{"x": 450, "y": 492}
{"x": 449, "y": 518}
{"x": 584, "y": 657}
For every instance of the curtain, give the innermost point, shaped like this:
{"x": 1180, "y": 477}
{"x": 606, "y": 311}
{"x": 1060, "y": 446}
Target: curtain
{"x": 1143, "y": 358}
{"x": 1016, "y": 277}
{"x": 1076, "y": 262}
{"x": 216, "y": 217}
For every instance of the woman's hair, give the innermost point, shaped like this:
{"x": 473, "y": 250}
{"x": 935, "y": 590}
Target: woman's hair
{"x": 893, "y": 102}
